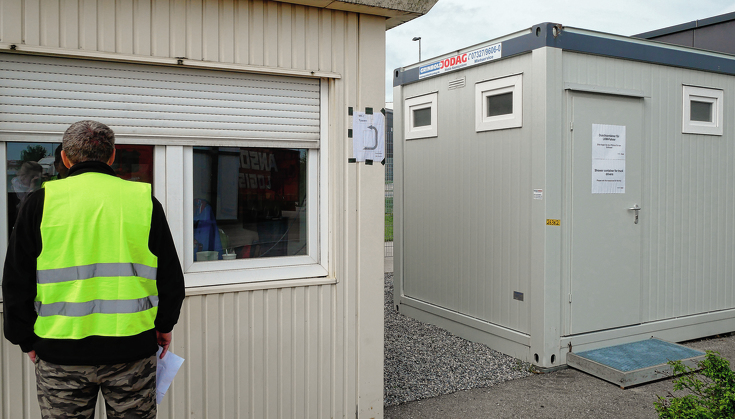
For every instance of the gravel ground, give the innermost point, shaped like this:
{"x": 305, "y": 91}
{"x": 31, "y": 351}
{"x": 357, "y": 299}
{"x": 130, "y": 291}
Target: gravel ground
{"x": 422, "y": 360}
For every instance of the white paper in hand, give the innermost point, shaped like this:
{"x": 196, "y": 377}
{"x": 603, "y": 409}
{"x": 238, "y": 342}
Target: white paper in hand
{"x": 165, "y": 372}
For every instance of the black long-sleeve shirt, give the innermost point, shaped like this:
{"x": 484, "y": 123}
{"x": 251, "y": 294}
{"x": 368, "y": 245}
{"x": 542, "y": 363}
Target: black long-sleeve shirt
{"x": 19, "y": 289}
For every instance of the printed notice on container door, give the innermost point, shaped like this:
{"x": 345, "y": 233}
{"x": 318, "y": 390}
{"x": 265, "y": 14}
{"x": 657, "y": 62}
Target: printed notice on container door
{"x": 608, "y": 158}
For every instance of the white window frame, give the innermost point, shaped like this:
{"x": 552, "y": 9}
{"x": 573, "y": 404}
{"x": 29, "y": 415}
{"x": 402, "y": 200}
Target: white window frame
{"x": 239, "y": 271}
{"x": 173, "y": 185}
{"x": 4, "y": 210}
{"x": 508, "y": 84}
{"x": 416, "y": 103}
{"x": 702, "y": 94}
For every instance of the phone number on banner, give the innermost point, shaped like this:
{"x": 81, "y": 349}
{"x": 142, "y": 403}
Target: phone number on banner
{"x": 468, "y": 59}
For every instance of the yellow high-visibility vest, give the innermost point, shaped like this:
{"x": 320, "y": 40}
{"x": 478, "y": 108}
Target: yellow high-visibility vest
{"x": 95, "y": 275}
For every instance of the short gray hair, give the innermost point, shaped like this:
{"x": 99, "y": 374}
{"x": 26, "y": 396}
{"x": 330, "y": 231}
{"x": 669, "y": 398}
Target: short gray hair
{"x": 88, "y": 141}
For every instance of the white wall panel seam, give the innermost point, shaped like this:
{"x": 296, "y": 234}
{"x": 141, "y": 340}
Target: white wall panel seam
{"x": 11, "y": 28}
{"x": 31, "y": 22}
{"x": 255, "y": 25}
{"x": 284, "y": 34}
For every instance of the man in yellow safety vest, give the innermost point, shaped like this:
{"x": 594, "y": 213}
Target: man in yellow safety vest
{"x": 92, "y": 284}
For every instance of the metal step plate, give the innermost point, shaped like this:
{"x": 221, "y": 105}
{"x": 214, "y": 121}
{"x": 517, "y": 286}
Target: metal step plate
{"x": 634, "y": 363}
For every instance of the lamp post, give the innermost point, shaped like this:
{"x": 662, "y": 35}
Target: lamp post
{"x": 418, "y": 38}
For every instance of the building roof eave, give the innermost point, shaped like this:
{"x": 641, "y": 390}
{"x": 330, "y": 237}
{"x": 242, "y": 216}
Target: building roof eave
{"x": 396, "y": 12}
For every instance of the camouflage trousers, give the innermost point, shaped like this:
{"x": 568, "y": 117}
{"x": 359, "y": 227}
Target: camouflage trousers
{"x": 70, "y": 392}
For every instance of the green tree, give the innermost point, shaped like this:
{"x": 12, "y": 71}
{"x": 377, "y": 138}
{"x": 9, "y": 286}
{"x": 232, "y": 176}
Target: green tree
{"x": 708, "y": 393}
{"x": 33, "y": 153}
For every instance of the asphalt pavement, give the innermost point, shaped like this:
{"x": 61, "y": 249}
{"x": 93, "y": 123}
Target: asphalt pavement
{"x": 563, "y": 394}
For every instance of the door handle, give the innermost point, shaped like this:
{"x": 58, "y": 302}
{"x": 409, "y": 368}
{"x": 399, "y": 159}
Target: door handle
{"x": 635, "y": 208}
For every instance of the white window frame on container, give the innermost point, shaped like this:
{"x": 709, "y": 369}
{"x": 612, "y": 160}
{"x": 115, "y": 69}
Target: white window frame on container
{"x": 496, "y": 87}
{"x": 190, "y": 107}
{"x": 417, "y": 103}
{"x": 4, "y": 209}
{"x": 713, "y": 97}
{"x": 313, "y": 264}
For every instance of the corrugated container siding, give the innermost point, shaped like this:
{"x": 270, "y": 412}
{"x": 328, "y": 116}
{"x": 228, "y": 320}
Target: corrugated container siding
{"x": 251, "y": 32}
{"x": 688, "y": 206}
{"x": 275, "y": 353}
{"x": 467, "y": 199}
{"x": 257, "y": 354}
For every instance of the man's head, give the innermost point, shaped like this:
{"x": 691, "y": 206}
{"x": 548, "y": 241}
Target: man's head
{"x": 88, "y": 141}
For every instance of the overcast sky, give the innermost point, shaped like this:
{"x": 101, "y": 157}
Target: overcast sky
{"x": 456, "y": 24}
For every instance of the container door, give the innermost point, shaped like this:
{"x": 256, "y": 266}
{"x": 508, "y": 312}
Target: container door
{"x": 607, "y": 134}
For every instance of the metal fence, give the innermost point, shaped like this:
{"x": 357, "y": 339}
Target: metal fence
{"x": 389, "y": 219}
{"x": 388, "y": 183}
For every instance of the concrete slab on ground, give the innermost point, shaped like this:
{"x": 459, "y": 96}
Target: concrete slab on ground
{"x": 634, "y": 363}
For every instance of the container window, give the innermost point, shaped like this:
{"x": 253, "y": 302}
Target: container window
{"x": 252, "y": 214}
{"x": 29, "y": 165}
{"x": 249, "y": 203}
{"x": 499, "y": 103}
{"x": 702, "y": 111}
{"x": 421, "y": 116}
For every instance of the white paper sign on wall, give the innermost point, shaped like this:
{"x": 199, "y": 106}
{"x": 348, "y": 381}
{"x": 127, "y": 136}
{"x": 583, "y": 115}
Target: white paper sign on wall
{"x": 368, "y": 136}
{"x": 608, "y": 158}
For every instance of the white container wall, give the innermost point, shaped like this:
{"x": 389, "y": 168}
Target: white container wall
{"x": 304, "y": 348}
{"x": 477, "y": 250}
{"x": 687, "y": 264}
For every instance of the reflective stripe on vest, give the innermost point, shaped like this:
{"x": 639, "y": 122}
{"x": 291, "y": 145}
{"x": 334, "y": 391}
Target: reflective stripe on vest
{"x": 95, "y": 275}
{"x": 50, "y": 276}
{"x": 96, "y": 306}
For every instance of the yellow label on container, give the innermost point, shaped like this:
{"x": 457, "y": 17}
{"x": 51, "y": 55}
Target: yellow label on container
{"x": 550, "y": 222}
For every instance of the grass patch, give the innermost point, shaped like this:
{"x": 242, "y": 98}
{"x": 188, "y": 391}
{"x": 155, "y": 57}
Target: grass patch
{"x": 389, "y": 219}
{"x": 388, "y": 227}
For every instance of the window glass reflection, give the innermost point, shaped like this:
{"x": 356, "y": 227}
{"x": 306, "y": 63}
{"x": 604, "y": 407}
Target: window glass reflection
{"x": 30, "y": 165}
{"x": 249, "y": 203}
{"x": 701, "y": 111}
{"x": 134, "y": 162}
{"x": 501, "y": 104}
{"x": 422, "y": 117}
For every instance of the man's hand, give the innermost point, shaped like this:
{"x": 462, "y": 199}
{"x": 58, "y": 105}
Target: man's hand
{"x": 164, "y": 339}
{"x": 32, "y": 355}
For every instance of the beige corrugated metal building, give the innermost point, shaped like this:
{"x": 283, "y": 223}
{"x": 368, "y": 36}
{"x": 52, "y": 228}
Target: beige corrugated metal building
{"x": 227, "y": 86}
{"x": 517, "y": 226}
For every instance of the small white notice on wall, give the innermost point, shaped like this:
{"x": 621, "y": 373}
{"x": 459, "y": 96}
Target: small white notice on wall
{"x": 608, "y": 158}
{"x": 368, "y": 136}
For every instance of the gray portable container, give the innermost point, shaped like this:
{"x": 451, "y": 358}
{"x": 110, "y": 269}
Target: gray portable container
{"x": 563, "y": 190}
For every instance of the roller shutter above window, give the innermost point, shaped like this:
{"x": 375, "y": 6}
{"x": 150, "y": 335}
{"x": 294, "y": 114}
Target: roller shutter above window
{"x": 41, "y": 96}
